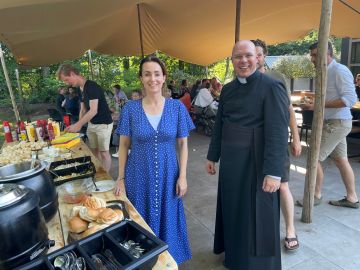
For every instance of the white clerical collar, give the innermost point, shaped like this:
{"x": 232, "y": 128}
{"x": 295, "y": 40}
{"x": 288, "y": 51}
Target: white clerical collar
{"x": 242, "y": 80}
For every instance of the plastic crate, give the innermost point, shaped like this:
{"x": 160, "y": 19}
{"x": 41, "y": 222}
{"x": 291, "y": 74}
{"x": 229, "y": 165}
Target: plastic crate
{"x": 109, "y": 238}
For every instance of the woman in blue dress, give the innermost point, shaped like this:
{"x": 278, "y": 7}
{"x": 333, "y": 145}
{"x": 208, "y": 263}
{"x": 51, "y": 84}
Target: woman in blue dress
{"x": 153, "y": 178}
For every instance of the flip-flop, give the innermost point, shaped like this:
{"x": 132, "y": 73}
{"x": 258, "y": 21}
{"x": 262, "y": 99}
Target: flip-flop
{"x": 288, "y": 241}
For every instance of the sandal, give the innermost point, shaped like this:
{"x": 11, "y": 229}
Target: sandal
{"x": 345, "y": 203}
{"x": 317, "y": 201}
{"x": 288, "y": 241}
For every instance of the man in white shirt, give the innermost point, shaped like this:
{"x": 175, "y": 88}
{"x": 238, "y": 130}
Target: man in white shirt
{"x": 340, "y": 97}
{"x": 204, "y": 98}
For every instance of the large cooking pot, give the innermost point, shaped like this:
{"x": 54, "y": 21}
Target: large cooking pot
{"x": 23, "y": 231}
{"x": 36, "y": 178}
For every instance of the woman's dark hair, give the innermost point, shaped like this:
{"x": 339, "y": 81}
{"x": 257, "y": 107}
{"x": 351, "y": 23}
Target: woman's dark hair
{"x": 118, "y": 87}
{"x": 152, "y": 58}
{"x": 183, "y": 82}
{"x": 137, "y": 91}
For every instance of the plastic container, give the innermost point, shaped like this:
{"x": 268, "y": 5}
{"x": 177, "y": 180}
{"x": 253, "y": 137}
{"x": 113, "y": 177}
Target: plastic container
{"x": 75, "y": 191}
{"x": 81, "y": 167}
{"x": 106, "y": 240}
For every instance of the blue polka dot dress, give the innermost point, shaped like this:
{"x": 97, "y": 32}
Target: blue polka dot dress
{"x": 152, "y": 171}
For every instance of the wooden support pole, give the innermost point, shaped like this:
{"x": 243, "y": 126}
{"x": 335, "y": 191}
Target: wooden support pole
{"x": 6, "y": 74}
{"x": 140, "y": 31}
{"x": 22, "y": 104}
{"x": 320, "y": 90}
{"x": 90, "y": 65}
{"x": 237, "y": 20}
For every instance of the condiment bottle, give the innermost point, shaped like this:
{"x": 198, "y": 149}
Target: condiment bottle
{"x": 23, "y": 136}
{"x": 7, "y": 132}
{"x": 56, "y": 127}
{"x": 39, "y": 131}
{"x": 31, "y": 132}
{"x": 66, "y": 120}
{"x": 50, "y": 130}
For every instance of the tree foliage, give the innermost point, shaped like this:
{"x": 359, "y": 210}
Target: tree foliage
{"x": 301, "y": 46}
{"x": 295, "y": 67}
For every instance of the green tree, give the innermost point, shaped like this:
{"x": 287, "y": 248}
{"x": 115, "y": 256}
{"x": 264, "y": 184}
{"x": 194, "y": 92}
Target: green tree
{"x": 301, "y": 46}
{"x": 295, "y": 67}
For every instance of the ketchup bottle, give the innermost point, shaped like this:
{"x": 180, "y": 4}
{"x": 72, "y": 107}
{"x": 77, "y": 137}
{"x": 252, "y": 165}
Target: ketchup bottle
{"x": 50, "y": 130}
{"x": 66, "y": 120}
{"x": 7, "y": 132}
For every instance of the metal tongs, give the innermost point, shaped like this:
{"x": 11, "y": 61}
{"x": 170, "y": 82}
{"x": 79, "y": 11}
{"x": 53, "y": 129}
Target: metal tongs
{"x": 34, "y": 157}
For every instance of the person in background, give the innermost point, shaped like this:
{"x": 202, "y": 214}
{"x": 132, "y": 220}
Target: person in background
{"x": 60, "y": 100}
{"x": 340, "y": 97}
{"x": 186, "y": 100}
{"x": 154, "y": 180}
{"x": 195, "y": 89}
{"x": 250, "y": 137}
{"x": 135, "y": 95}
{"x": 286, "y": 198}
{"x": 184, "y": 88}
{"x": 94, "y": 111}
{"x": 216, "y": 87}
{"x": 119, "y": 97}
{"x": 72, "y": 105}
{"x": 205, "y": 99}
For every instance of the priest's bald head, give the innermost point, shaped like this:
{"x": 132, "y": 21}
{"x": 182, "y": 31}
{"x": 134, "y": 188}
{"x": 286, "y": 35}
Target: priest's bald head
{"x": 244, "y": 58}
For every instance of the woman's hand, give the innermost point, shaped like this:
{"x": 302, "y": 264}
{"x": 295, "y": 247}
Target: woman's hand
{"x": 119, "y": 186}
{"x": 181, "y": 186}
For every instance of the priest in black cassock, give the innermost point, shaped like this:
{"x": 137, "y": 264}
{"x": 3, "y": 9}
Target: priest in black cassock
{"x": 250, "y": 137}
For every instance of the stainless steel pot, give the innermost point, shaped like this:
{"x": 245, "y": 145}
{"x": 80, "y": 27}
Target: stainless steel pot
{"x": 23, "y": 231}
{"x": 37, "y": 179}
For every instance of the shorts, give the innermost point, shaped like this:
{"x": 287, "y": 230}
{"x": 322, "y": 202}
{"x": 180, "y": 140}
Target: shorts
{"x": 99, "y": 136}
{"x": 333, "y": 138}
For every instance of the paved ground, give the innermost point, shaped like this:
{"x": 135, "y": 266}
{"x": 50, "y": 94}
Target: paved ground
{"x": 330, "y": 242}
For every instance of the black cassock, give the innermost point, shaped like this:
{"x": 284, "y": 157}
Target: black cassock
{"x": 250, "y": 137}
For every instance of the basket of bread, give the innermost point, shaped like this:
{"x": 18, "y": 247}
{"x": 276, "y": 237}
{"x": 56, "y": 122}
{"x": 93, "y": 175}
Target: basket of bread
{"x": 94, "y": 214}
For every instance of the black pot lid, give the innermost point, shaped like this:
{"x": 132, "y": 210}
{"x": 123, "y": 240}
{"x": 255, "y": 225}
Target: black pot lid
{"x": 11, "y": 193}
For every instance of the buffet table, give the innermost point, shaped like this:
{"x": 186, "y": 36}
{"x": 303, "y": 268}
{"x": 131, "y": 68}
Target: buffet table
{"x": 58, "y": 226}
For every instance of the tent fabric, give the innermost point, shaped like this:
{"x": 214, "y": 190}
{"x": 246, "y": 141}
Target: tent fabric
{"x": 44, "y": 32}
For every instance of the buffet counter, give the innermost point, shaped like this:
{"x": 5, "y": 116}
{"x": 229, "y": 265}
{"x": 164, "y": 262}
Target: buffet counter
{"x": 58, "y": 225}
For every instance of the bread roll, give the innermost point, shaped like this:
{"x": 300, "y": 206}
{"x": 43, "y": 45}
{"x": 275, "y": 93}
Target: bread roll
{"x": 91, "y": 230}
{"x": 108, "y": 216}
{"x": 100, "y": 226}
{"x": 119, "y": 213}
{"x": 88, "y": 214}
{"x": 94, "y": 202}
{"x": 77, "y": 225}
{"x": 75, "y": 211}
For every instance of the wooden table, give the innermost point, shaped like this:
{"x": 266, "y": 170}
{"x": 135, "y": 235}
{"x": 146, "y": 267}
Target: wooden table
{"x": 58, "y": 227}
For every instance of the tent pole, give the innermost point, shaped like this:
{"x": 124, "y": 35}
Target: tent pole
{"x": 6, "y": 74}
{"x": 140, "y": 31}
{"x": 237, "y": 20}
{"x": 20, "y": 91}
{"x": 320, "y": 90}
{"x": 90, "y": 65}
